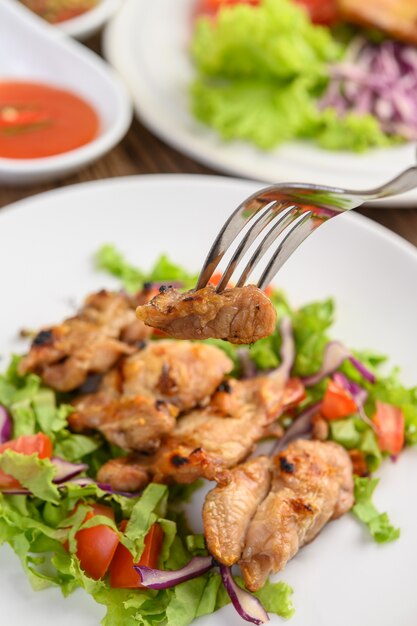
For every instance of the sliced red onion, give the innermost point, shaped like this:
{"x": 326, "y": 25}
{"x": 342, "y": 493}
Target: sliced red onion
{"x": 359, "y": 395}
{"x": 66, "y": 470}
{"x": 85, "y": 481}
{"x": 362, "y": 369}
{"x": 109, "y": 489}
{"x": 18, "y": 491}
{"x": 163, "y": 579}
{"x": 287, "y": 347}
{"x": 247, "y": 605}
{"x": 247, "y": 366}
{"x": 6, "y": 425}
{"x": 301, "y": 428}
{"x": 334, "y": 355}
{"x": 380, "y": 80}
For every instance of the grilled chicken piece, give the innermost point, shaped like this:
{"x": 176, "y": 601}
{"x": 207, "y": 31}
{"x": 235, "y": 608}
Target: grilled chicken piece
{"x": 312, "y": 484}
{"x": 395, "y": 17}
{"x": 182, "y": 373}
{"x": 91, "y": 342}
{"x": 238, "y": 315}
{"x": 209, "y": 441}
{"x": 126, "y": 475}
{"x": 137, "y": 404}
{"x": 228, "y": 509}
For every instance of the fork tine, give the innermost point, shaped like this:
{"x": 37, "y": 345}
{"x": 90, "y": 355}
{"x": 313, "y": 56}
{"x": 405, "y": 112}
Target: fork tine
{"x": 296, "y": 235}
{"x": 228, "y": 233}
{"x": 282, "y": 223}
{"x": 260, "y": 224}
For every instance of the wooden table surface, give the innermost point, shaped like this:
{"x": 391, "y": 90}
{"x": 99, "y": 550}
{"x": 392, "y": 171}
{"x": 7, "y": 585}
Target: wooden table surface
{"x": 142, "y": 153}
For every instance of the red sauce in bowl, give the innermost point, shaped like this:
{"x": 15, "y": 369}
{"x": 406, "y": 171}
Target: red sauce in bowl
{"x": 37, "y": 120}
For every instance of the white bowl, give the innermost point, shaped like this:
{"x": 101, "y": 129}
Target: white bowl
{"x": 90, "y": 22}
{"x": 31, "y": 50}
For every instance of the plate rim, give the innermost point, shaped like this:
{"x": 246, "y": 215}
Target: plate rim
{"x": 168, "y": 178}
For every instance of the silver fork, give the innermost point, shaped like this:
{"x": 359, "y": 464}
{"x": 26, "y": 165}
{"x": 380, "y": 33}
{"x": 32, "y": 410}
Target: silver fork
{"x": 293, "y": 210}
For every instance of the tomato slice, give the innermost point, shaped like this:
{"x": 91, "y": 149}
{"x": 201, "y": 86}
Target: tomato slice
{"x": 39, "y": 444}
{"x": 337, "y": 402}
{"x": 122, "y": 574}
{"x": 321, "y": 11}
{"x": 96, "y": 546}
{"x": 212, "y": 7}
{"x": 389, "y": 423}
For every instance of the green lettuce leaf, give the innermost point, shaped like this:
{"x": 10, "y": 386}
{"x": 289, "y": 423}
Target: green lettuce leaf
{"x": 32, "y": 472}
{"x": 258, "y": 111}
{"x": 108, "y": 258}
{"x": 353, "y": 132}
{"x": 364, "y": 509}
{"x": 274, "y": 40}
{"x": 352, "y": 432}
{"x": 260, "y": 72}
{"x": 165, "y": 270}
{"x": 277, "y": 598}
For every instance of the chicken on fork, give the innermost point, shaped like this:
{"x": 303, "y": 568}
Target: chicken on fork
{"x": 239, "y": 315}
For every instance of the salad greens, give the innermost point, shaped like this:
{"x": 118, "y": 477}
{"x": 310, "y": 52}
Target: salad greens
{"x": 42, "y": 528}
{"x": 378, "y": 523}
{"x": 260, "y": 73}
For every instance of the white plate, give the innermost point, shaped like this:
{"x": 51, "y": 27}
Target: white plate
{"x": 147, "y": 43}
{"x": 46, "y": 248}
{"x": 32, "y": 50}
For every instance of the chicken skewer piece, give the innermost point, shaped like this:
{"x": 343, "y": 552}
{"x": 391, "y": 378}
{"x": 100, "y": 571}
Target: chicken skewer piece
{"x": 105, "y": 329}
{"x": 137, "y": 404}
{"x": 239, "y": 315}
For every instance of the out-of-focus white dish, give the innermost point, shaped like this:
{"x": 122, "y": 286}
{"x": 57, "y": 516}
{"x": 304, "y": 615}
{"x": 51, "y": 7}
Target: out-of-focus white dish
{"x": 46, "y": 248}
{"x": 147, "y": 42}
{"x": 90, "y": 22}
{"x": 32, "y": 50}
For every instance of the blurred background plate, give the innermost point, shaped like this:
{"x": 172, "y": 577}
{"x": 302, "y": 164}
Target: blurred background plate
{"x": 343, "y": 578}
{"x": 147, "y": 43}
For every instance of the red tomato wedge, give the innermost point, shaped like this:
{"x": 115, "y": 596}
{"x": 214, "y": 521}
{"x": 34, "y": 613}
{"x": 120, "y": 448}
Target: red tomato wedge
{"x": 337, "y": 402}
{"x": 389, "y": 423}
{"x": 320, "y": 11}
{"x": 96, "y": 546}
{"x": 122, "y": 574}
{"x": 212, "y": 7}
{"x": 38, "y": 444}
